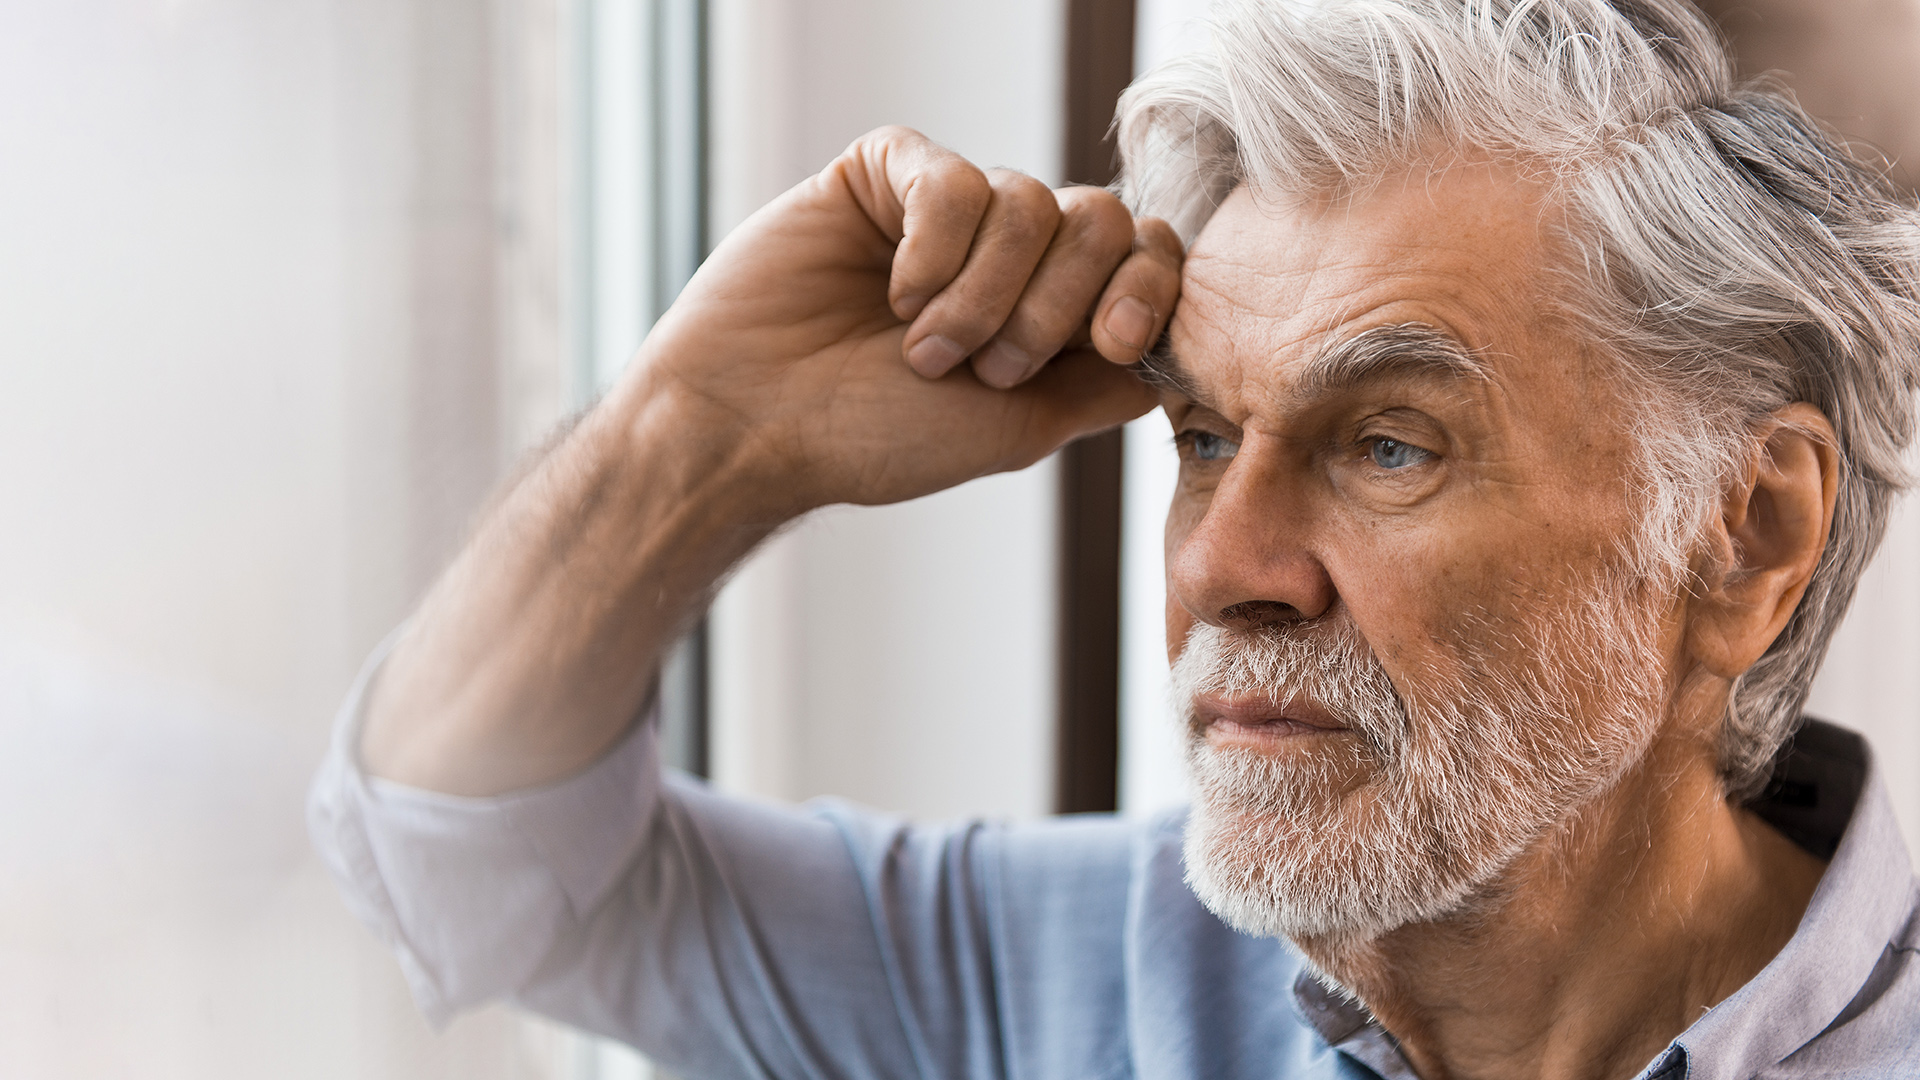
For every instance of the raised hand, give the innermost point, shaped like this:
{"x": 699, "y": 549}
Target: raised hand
{"x": 862, "y": 331}
{"x": 816, "y": 358}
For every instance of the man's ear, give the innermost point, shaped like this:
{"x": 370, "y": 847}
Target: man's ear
{"x": 1772, "y": 530}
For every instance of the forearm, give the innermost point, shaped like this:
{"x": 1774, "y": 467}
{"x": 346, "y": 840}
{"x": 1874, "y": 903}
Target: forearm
{"x": 1853, "y": 63}
{"x": 778, "y": 381}
{"x": 537, "y": 647}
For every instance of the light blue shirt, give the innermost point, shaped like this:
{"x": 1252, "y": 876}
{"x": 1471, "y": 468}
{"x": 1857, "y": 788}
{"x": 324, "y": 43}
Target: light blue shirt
{"x": 730, "y": 938}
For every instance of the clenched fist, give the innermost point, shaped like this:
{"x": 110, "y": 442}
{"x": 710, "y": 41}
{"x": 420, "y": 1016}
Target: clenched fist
{"x": 905, "y": 321}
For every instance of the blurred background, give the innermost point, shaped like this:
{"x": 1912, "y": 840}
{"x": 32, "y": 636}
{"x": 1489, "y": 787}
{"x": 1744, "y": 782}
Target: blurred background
{"x": 287, "y": 285}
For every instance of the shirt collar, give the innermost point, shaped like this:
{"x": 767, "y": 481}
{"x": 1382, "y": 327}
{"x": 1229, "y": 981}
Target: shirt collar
{"x": 1827, "y": 796}
{"x": 1862, "y": 901}
{"x": 1348, "y": 1027}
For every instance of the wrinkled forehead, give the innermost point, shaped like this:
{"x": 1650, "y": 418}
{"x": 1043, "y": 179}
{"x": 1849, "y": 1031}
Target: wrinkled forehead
{"x": 1275, "y": 292}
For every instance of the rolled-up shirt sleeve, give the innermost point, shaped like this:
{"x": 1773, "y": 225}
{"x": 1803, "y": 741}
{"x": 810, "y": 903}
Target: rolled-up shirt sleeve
{"x": 723, "y": 936}
{"x": 473, "y": 894}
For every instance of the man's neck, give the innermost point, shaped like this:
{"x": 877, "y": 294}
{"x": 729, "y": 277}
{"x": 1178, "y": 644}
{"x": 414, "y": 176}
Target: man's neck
{"x": 1654, "y": 903}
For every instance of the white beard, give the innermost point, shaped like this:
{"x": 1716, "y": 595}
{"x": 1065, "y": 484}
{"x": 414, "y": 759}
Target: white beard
{"x": 1418, "y": 817}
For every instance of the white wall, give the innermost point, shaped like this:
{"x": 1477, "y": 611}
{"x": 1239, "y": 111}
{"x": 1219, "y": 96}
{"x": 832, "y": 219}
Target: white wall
{"x": 1871, "y": 680}
{"x": 247, "y": 398}
{"x": 903, "y": 655}
{"x": 273, "y": 318}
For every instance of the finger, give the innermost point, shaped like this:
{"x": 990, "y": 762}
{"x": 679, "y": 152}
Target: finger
{"x": 1139, "y": 298}
{"x": 1075, "y": 395}
{"x": 924, "y": 198}
{"x": 1014, "y": 232}
{"x": 1094, "y": 237}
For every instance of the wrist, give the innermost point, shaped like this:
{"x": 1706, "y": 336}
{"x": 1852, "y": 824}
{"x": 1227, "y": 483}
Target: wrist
{"x": 658, "y": 431}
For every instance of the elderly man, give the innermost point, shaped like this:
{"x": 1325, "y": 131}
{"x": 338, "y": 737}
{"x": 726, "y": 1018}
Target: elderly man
{"x": 1540, "y": 395}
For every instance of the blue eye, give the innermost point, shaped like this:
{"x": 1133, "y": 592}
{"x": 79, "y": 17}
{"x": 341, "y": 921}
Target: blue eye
{"x": 1210, "y": 447}
{"x": 1393, "y": 454}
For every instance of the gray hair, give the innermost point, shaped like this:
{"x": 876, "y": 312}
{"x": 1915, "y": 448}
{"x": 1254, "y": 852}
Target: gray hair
{"x": 1731, "y": 255}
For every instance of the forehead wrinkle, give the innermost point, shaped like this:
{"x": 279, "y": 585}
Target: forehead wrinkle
{"x": 1217, "y": 311}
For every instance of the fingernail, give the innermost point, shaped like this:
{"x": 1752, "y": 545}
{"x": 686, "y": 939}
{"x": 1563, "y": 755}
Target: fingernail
{"x": 1002, "y": 365}
{"x": 1131, "y": 321}
{"x": 908, "y": 307}
{"x": 934, "y": 356}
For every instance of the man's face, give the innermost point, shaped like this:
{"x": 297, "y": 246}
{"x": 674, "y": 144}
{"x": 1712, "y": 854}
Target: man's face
{"x": 1396, "y": 594}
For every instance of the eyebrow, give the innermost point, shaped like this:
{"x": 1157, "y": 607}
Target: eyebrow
{"x": 1158, "y": 367}
{"x": 1400, "y": 350}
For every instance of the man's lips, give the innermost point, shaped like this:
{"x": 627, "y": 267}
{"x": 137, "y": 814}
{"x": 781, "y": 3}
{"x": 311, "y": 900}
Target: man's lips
{"x": 1258, "y": 719}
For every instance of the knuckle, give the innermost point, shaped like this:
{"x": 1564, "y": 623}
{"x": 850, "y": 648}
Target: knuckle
{"x": 1013, "y": 182}
{"x": 883, "y": 142}
{"x": 1024, "y": 196}
{"x": 1106, "y": 223}
{"x": 892, "y": 133}
{"x": 1097, "y": 203}
{"x": 1025, "y": 227}
{"x": 1157, "y": 238}
{"x": 959, "y": 179}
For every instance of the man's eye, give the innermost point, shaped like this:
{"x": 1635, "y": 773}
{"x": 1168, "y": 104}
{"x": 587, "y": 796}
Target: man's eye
{"x": 1393, "y": 454}
{"x": 1210, "y": 447}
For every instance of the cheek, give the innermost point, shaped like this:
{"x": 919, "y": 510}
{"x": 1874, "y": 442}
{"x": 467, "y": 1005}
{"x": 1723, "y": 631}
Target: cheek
{"x": 1409, "y": 590}
{"x": 1460, "y": 603}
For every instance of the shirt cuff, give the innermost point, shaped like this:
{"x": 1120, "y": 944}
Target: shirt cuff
{"x": 472, "y": 893}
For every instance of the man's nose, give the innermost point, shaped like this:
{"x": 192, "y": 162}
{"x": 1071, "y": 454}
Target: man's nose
{"x": 1246, "y": 563}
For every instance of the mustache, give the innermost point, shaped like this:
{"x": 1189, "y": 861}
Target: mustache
{"x": 1326, "y": 661}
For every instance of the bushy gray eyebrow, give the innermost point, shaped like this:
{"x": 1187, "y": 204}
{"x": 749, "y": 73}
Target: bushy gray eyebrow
{"x": 1401, "y": 349}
